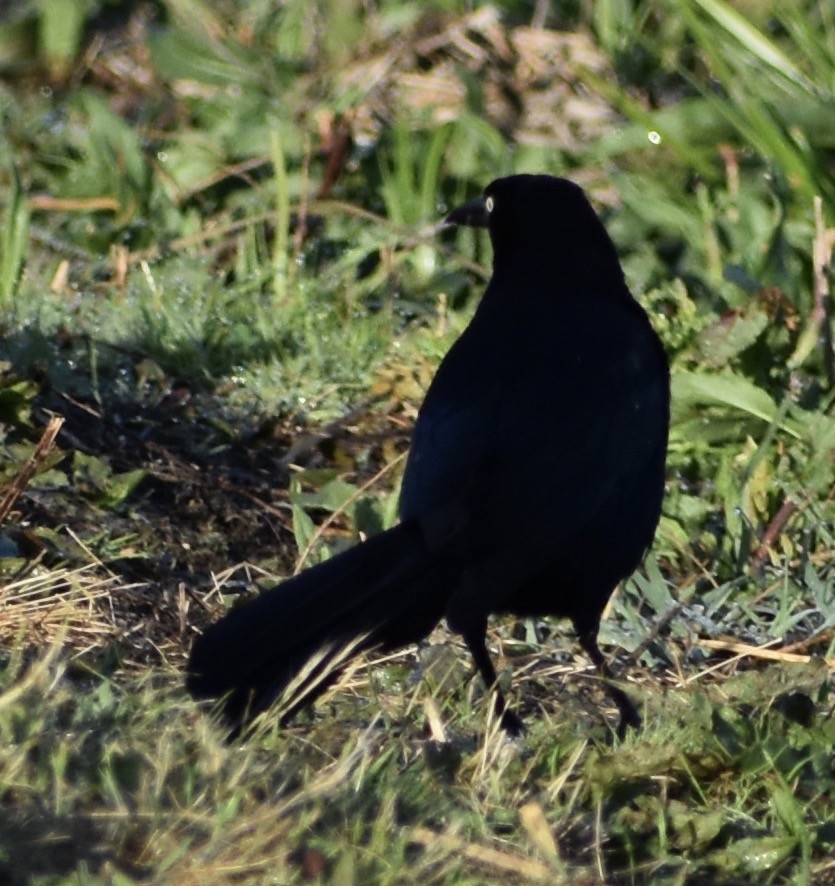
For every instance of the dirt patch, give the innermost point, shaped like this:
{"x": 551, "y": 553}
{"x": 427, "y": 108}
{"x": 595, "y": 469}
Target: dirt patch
{"x": 205, "y": 496}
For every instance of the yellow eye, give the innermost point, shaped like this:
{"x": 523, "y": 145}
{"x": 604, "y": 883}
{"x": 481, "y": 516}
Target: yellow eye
{"x": 488, "y": 203}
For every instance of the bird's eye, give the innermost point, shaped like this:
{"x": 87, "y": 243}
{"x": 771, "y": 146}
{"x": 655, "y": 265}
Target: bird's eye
{"x": 488, "y": 203}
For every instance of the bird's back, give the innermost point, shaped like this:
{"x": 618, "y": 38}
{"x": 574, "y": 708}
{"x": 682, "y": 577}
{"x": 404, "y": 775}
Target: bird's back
{"x": 540, "y": 445}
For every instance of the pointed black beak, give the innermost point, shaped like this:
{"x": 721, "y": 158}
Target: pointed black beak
{"x": 473, "y": 214}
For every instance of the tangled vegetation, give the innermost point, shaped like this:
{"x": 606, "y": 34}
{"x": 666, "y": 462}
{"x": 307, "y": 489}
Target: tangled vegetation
{"x": 221, "y": 300}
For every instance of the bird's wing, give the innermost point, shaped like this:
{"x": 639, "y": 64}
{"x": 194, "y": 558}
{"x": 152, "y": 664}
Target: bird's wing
{"x": 526, "y": 449}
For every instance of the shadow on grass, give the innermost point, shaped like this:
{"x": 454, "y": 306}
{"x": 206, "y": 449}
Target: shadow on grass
{"x": 34, "y": 844}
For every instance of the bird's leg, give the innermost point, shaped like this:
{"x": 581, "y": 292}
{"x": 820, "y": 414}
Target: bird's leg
{"x": 476, "y": 640}
{"x": 629, "y": 715}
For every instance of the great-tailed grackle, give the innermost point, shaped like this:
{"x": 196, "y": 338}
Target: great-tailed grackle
{"x": 533, "y": 484}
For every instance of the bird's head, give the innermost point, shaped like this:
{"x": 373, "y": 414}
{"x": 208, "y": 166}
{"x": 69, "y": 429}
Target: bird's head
{"x": 536, "y": 216}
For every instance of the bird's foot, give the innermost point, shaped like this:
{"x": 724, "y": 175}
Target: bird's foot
{"x": 629, "y": 717}
{"x": 512, "y": 724}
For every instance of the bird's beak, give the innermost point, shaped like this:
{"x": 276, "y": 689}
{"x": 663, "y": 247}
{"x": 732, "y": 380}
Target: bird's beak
{"x": 473, "y": 214}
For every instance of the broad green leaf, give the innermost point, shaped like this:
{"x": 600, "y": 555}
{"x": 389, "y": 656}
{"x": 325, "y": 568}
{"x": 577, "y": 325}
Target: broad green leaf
{"x": 700, "y": 389}
{"x": 61, "y": 27}
{"x": 330, "y": 497}
{"x": 753, "y": 855}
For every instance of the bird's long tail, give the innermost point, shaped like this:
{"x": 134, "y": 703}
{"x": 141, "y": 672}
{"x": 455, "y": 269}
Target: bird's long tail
{"x": 386, "y": 592}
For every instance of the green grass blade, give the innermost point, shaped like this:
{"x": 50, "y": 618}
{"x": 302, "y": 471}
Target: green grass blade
{"x": 14, "y": 238}
{"x": 282, "y": 212}
{"x": 752, "y": 39}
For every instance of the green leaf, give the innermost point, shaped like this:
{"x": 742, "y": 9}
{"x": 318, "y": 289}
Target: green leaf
{"x": 15, "y": 401}
{"x": 691, "y": 389}
{"x": 723, "y": 340}
{"x": 120, "y": 487}
{"x": 653, "y": 587}
{"x": 753, "y": 855}
{"x": 303, "y": 527}
{"x": 61, "y": 27}
{"x": 807, "y": 343}
{"x": 330, "y": 497}
{"x": 179, "y": 55}
{"x": 97, "y": 480}
{"x": 823, "y": 592}
{"x": 692, "y": 828}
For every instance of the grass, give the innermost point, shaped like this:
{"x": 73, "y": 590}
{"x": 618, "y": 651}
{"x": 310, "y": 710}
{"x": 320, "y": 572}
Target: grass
{"x": 217, "y": 266}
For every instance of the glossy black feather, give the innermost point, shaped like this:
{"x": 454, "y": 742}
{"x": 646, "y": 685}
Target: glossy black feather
{"x": 535, "y": 478}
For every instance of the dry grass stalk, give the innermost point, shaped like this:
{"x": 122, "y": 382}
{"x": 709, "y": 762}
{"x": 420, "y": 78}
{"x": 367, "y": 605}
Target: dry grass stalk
{"x": 43, "y": 449}
{"x": 822, "y": 247}
{"x": 487, "y": 856}
{"x": 70, "y": 603}
{"x": 745, "y": 650}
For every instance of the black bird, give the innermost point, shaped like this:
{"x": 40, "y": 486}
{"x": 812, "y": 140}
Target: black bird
{"x": 533, "y": 485}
